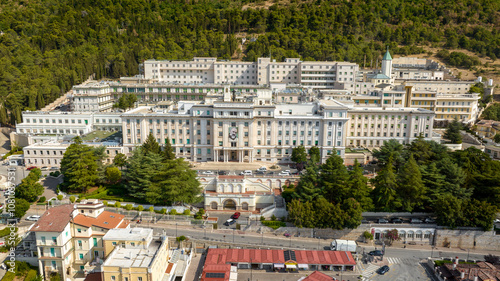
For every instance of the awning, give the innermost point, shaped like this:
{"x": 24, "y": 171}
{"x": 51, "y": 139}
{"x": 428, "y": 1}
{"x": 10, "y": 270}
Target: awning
{"x": 291, "y": 266}
{"x": 303, "y": 265}
{"x": 279, "y": 265}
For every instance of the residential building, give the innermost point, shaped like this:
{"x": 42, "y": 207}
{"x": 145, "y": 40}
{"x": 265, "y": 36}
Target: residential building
{"x": 91, "y": 97}
{"x": 493, "y": 150}
{"x": 126, "y": 237}
{"x": 488, "y": 128}
{"x": 145, "y": 262}
{"x": 480, "y": 271}
{"x": 69, "y": 236}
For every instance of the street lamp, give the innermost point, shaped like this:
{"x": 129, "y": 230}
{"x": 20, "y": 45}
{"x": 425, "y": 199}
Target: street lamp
{"x": 262, "y": 242}
{"x": 233, "y": 235}
{"x": 175, "y": 229}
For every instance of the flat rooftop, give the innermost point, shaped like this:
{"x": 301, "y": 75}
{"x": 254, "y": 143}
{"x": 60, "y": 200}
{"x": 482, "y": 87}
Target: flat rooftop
{"x": 128, "y": 234}
{"x": 133, "y": 257}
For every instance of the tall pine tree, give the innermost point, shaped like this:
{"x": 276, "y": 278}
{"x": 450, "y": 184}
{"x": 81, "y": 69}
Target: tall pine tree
{"x": 411, "y": 189}
{"x": 384, "y": 195}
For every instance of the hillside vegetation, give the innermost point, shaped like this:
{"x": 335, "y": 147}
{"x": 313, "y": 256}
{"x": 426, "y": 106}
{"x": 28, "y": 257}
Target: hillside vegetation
{"x": 46, "y": 46}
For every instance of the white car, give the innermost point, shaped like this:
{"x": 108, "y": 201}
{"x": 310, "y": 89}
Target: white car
{"x": 284, "y": 173}
{"x": 246, "y": 173}
{"x": 262, "y": 169}
{"x": 11, "y": 169}
{"x": 207, "y": 173}
{"x": 33, "y": 218}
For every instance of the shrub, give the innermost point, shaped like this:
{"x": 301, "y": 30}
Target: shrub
{"x": 367, "y": 235}
{"x": 6, "y": 231}
{"x": 187, "y": 212}
{"x": 55, "y": 277}
{"x": 78, "y": 200}
{"x": 140, "y": 208}
{"x": 172, "y": 212}
{"x": 72, "y": 199}
{"x": 151, "y": 209}
{"x": 42, "y": 199}
{"x": 283, "y": 219}
{"x": 32, "y": 274}
{"x": 163, "y": 211}
{"x": 118, "y": 204}
{"x": 274, "y": 224}
{"x": 129, "y": 207}
{"x": 105, "y": 203}
{"x": 262, "y": 218}
{"x": 181, "y": 238}
{"x": 273, "y": 218}
{"x": 59, "y": 197}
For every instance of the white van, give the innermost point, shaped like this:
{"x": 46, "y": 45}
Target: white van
{"x": 246, "y": 173}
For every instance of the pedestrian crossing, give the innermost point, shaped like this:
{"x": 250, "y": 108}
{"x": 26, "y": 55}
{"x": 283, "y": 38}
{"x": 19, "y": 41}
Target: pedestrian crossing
{"x": 368, "y": 270}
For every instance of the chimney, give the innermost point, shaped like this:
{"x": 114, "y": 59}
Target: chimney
{"x": 455, "y": 263}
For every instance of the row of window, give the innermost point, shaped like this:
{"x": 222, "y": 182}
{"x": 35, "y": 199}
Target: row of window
{"x": 60, "y": 121}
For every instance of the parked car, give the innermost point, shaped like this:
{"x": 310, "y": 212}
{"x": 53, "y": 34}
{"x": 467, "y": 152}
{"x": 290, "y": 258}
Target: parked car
{"x": 54, "y": 169}
{"x": 33, "y": 218}
{"x": 283, "y": 174}
{"x": 382, "y": 221}
{"x": 229, "y": 222}
{"x": 383, "y": 270}
{"x": 260, "y": 173}
{"x": 397, "y": 220}
{"x": 11, "y": 169}
{"x": 44, "y": 168}
{"x": 207, "y": 173}
{"x": 429, "y": 220}
{"x": 415, "y": 220}
{"x": 246, "y": 173}
{"x": 376, "y": 253}
{"x": 31, "y": 168}
{"x": 364, "y": 221}
{"x": 262, "y": 169}
{"x": 222, "y": 173}
{"x": 236, "y": 215}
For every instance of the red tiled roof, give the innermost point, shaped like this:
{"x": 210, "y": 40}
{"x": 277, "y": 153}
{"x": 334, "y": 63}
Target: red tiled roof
{"x": 223, "y": 256}
{"x": 216, "y": 268}
{"x": 106, "y": 220}
{"x": 317, "y": 276}
{"x": 54, "y": 219}
{"x": 96, "y": 276}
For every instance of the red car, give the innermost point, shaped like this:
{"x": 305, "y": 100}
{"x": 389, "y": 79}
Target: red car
{"x": 31, "y": 168}
{"x": 236, "y": 215}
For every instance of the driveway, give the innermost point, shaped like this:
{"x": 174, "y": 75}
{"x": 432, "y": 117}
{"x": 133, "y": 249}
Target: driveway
{"x": 50, "y": 185}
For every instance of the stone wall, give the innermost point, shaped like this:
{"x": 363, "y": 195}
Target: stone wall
{"x": 468, "y": 239}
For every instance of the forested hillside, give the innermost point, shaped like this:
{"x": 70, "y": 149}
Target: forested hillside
{"x": 46, "y": 46}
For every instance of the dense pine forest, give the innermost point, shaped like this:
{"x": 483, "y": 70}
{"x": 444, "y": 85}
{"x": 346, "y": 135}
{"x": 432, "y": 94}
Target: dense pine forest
{"x": 46, "y": 46}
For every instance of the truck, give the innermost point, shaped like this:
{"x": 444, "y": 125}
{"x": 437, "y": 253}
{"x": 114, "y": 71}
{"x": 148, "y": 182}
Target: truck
{"x": 343, "y": 245}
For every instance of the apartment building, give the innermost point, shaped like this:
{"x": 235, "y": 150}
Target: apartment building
{"x": 488, "y": 128}
{"x": 69, "y": 236}
{"x": 262, "y": 72}
{"x": 147, "y": 261}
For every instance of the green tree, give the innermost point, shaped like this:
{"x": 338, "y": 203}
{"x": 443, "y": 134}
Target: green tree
{"x": 141, "y": 170}
{"x": 308, "y": 188}
{"x": 448, "y": 210}
{"x": 151, "y": 145}
{"x": 79, "y": 167}
{"x": 22, "y": 206}
{"x": 314, "y": 155}
{"x": 390, "y": 148}
{"x": 384, "y": 194}
{"x": 359, "y": 187}
{"x": 496, "y": 138}
{"x": 352, "y": 213}
{"x": 411, "y": 189}
{"x": 29, "y": 188}
{"x": 113, "y": 174}
{"x": 452, "y": 132}
{"x": 168, "y": 151}
{"x": 120, "y": 160}
{"x": 334, "y": 179}
{"x": 175, "y": 182}
{"x": 299, "y": 155}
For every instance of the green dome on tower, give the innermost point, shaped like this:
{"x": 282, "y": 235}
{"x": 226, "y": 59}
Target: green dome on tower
{"x": 387, "y": 55}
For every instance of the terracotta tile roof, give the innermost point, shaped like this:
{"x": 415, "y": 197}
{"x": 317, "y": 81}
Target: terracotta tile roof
{"x": 96, "y": 276}
{"x": 317, "y": 276}
{"x": 54, "y": 219}
{"x": 106, "y": 220}
{"x": 213, "y": 268}
{"x": 483, "y": 270}
{"x": 223, "y": 256}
